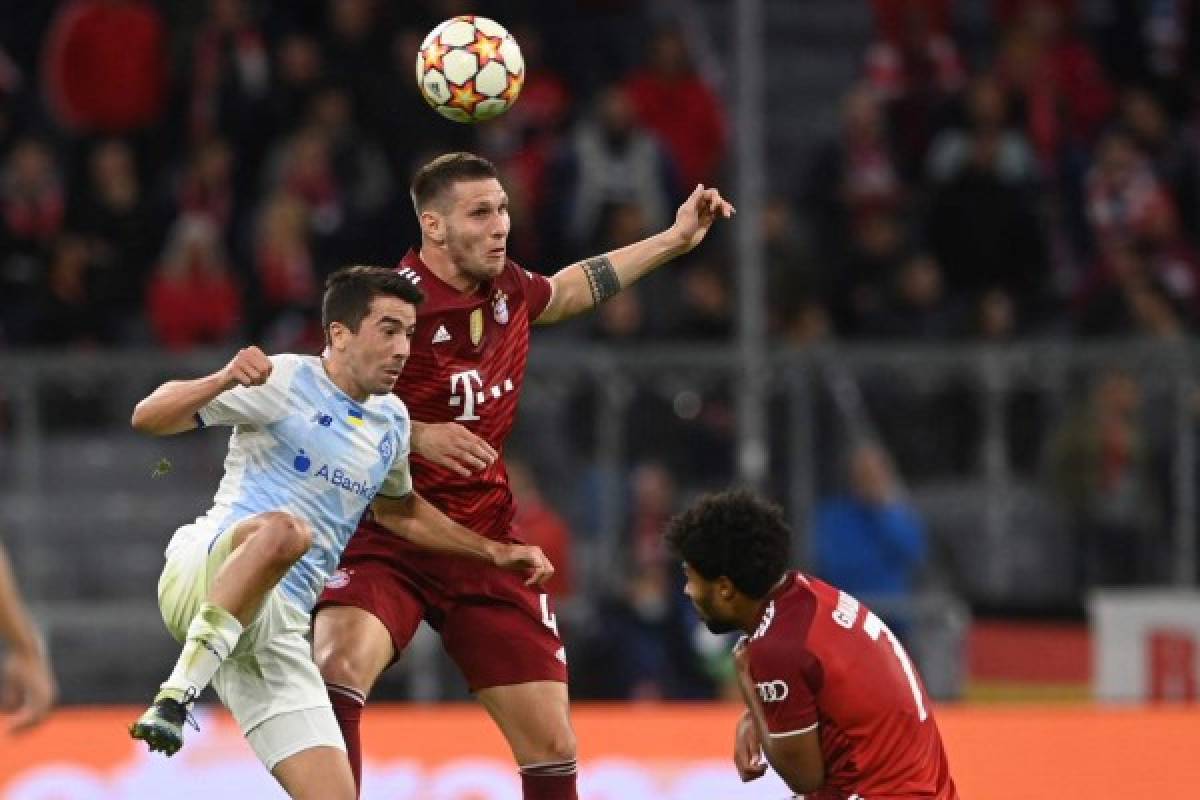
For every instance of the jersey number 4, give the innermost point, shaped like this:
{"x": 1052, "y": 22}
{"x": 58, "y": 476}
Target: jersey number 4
{"x": 874, "y": 626}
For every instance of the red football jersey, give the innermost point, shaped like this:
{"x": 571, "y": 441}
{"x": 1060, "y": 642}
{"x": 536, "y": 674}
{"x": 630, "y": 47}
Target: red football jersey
{"x": 822, "y": 661}
{"x": 467, "y": 366}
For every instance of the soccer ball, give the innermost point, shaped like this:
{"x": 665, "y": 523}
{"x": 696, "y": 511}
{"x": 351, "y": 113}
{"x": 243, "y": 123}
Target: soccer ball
{"x": 470, "y": 69}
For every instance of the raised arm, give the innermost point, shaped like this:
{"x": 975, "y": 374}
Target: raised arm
{"x": 413, "y": 518}
{"x": 586, "y": 284}
{"x": 172, "y": 407}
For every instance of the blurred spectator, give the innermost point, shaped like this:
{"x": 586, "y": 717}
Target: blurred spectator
{"x": 707, "y": 304}
{"x": 361, "y": 168}
{"x": 876, "y": 250}
{"x": 915, "y": 67}
{"x": 984, "y": 227}
{"x": 118, "y": 215}
{"x": 1065, "y": 94}
{"x": 1123, "y": 194}
{"x": 541, "y": 525}
{"x": 996, "y": 319}
{"x": 299, "y": 68}
{"x": 854, "y": 176}
{"x": 106, "y": 65}
{"x": 192, "y": 299}
{"x": 652, "y": 506}
{"x": 1174, "y": 157}
{"x": 206, "y": 187}
{"x": 870, "y": 541}
{"x": 641, "y": 644}
{"x": 1099, "y": 466}
{"x": 917, "y": 306}
{"x": 358, "y": 46}
{"x": 609, "y": 160}
{"x": 32, "y": 196}
{"x": 283, "y": 260}
{"x": 986, "y": 115}
{"x": 67, "y": 309}
{"x": 231, "y": 79}
{"x": 671, "y": 100}
{"x": 302, "y": 165}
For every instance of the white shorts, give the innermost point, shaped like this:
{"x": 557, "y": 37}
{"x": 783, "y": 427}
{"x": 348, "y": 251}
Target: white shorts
{"x": 271, "y": 671}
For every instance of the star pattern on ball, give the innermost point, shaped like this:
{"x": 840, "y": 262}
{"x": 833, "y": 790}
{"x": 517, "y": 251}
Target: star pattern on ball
{"x": 434, "y": 55}
{"x": 465, "y": 97}
{"x": 514, "y": 88}
{"x": 486, "y": 48}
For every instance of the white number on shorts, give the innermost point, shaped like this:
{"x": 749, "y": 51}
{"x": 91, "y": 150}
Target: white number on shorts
{"x": 874, "y": 626}
{"x": 551, "y": 621}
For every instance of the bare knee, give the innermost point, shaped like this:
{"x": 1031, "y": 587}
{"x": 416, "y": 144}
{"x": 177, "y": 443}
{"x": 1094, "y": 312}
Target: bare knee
{"x": 351, "y": 647}
{"x": 284, "y": 538}
{"x": 550, "y": 748}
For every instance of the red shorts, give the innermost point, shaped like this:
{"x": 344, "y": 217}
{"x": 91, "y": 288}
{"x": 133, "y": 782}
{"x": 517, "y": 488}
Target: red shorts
{"x": 498, "y": 630}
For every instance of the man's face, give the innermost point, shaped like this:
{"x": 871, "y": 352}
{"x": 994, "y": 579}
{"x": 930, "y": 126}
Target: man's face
{"x": 706, "y": 596}
{"x": 477, "y": 226}
{"x": 376, "y": 354}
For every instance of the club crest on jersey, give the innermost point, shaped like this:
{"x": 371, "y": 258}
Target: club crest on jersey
{"x": 476, "y": 326}
{"x": 339, "y": 579}
{"x": 386, "y": 448}
{"x": 500, "y": 307}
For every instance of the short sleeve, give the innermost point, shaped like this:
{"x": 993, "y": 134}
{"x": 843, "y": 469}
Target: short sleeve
{"x": 254, "y": 405}
{"x": 398, "y": 482}
{"x": 783, "y": 687}
{"x": 538, "y": 291}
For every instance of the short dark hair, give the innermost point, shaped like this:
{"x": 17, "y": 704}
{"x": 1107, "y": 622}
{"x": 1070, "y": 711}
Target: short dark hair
{"x": 350, "y": 290}
{"x": 735, "y": 534}
{"x": 443, "y": 172}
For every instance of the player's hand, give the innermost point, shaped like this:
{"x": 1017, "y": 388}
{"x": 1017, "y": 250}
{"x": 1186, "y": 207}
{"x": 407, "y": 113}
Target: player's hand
{"x": 452, "y": 447}
{"x": 250, "y": 367}
{"x": 525, "y": 558}
{"x": 747, "y": 751}
{"x": 27, "y": 690}
{"x": 696, "y": 215}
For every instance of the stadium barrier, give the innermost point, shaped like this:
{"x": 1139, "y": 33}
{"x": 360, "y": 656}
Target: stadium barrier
{"x": 641, "y": 752}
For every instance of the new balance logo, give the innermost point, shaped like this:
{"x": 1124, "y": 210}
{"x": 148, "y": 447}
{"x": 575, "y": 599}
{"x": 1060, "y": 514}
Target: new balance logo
{"x": 442, "y": 335}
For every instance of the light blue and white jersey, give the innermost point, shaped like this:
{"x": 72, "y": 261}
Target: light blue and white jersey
{"x": 302, "y": 445}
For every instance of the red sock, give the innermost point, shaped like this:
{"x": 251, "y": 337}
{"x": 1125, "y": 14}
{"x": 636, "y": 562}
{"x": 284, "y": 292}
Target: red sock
{"x": 347, "y": 707}
{"x": 554, "y": 781}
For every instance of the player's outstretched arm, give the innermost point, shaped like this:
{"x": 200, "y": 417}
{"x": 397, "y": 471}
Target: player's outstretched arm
{"x": 27, "y": 688}
{"x": 172, "y": 407}
{"x": 586, "y": 284}
{"x": 415, "y": 519}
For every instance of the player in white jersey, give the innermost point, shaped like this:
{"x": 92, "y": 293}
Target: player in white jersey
{"x": 316, "y": 443}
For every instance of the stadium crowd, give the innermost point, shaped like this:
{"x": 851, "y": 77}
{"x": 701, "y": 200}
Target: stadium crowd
{"x": 185, "y": 175}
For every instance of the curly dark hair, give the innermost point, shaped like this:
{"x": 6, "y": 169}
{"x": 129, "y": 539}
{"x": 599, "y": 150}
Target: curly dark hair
{"x": 735, "y": 534}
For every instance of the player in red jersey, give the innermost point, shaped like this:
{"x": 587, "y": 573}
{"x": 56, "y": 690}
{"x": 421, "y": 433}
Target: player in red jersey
{"x": 463, "y": 380}
{"x": 832, "y": 698}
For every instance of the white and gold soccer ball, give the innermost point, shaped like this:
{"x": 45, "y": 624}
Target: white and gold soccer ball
{"x": 470, "y": 69}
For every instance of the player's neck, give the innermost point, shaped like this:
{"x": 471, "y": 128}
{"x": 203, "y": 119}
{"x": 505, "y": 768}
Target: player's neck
{"x": 340, "y": 376}
{"x": 441, "y": 265}
{"x": 750, "y": 621}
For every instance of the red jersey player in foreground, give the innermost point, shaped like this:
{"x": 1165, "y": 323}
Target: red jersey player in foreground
{"x": 463, "y": 380}
{"x": 832, "y": 699}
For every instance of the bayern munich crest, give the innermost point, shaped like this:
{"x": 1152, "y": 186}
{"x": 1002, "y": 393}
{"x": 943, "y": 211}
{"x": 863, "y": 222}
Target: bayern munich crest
{"x": 338, "y": 580}
{"x": 500, "y": 307}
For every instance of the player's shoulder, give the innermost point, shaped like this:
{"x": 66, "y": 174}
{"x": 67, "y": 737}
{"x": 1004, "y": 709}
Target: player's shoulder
{"x": 787, "y": 616}
{"x": 515, "y": 278}
{"x": 285, "y": 366}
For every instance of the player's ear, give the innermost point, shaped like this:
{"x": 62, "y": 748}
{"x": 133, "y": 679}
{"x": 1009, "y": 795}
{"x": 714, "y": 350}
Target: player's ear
{"x": 338, "y": 334}
{"x": 433, "y": 226}
{"x": 725, "y": 588}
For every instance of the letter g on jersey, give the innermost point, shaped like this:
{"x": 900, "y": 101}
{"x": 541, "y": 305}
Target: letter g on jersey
{"x": 772, "y": 691}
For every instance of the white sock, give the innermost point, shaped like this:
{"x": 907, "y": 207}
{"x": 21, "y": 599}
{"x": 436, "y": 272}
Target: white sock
{"x": 211, "y": 637}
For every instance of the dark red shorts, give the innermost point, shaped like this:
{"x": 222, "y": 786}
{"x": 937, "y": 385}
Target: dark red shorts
{"x": 498, "y": 630}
